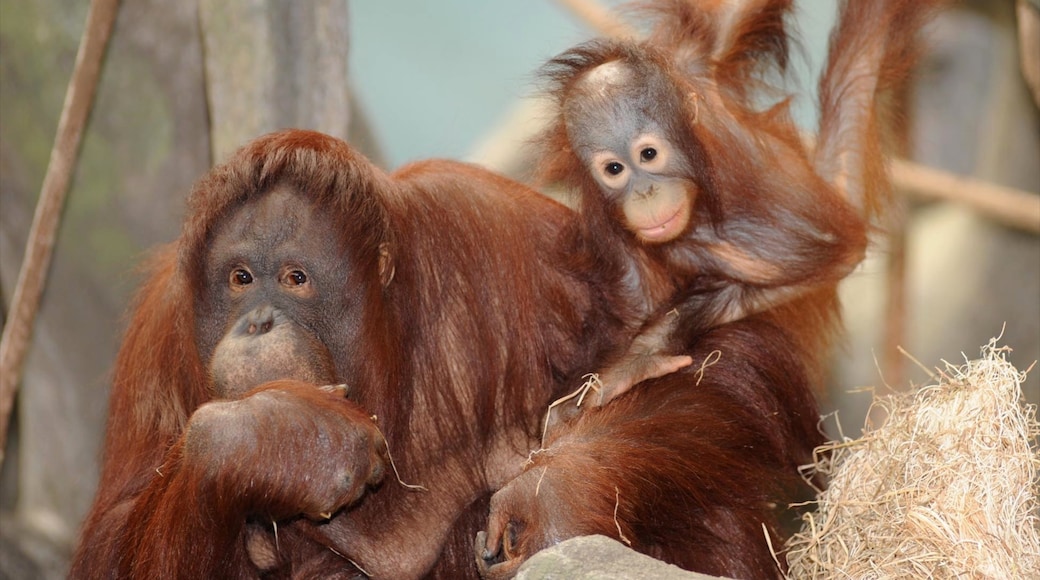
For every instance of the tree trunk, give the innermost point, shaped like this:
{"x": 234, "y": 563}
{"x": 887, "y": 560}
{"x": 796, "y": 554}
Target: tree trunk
{"x": 272, "y": 64}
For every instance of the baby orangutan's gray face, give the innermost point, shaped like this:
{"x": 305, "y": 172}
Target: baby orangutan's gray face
{"x": 614, "y": 122}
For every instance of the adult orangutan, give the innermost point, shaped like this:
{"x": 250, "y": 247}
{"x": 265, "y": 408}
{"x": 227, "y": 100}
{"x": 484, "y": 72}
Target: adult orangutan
{"x": 427, "y": 293}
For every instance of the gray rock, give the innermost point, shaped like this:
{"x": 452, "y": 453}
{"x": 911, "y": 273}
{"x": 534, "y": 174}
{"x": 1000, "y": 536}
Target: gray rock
{"x": 599, "y": 558}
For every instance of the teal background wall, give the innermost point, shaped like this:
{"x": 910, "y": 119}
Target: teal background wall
{"x": 433, "y": 78}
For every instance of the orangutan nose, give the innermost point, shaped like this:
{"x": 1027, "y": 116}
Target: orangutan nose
{"x": 259, "y": 321}
{"x": 647, "y": 193}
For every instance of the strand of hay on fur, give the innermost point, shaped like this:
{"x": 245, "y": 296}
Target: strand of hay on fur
{"x": 946, "y": 487}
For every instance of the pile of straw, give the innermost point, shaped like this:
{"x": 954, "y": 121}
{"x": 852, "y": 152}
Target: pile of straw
{"x": 946, "y": 487}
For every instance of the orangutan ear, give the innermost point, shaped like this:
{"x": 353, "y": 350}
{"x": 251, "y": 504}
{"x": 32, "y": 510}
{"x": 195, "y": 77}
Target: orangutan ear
{"x": 386, "y": 264}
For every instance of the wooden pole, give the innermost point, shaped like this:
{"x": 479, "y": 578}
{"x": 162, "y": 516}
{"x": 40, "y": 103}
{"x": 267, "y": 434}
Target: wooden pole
{"x": 897, "y": 279}
{"x": 40, "y": 246}
{"x": 1010, "y": 206}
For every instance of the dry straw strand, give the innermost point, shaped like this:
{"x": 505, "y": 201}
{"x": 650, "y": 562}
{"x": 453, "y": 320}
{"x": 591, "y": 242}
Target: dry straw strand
{"x": 945, "y": 487}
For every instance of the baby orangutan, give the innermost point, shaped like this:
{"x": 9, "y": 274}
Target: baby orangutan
{"x": 710, "y": 211}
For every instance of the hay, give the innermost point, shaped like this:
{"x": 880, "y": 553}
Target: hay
{"x": 946, "y": 487}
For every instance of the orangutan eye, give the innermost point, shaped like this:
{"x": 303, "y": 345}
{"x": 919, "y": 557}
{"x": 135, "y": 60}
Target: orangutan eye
{"x": 296, "y": 278}
{"x": 652, "y": 151}
{"x": 241, "y": 277}
{"x": 296, "y": 281}
{"x": 607, "y": 168}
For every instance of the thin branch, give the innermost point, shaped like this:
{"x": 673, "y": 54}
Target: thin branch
{"x": 1010, "y": 206}
{"x": 598, "y": 17}
{"x": 79, "y": 98}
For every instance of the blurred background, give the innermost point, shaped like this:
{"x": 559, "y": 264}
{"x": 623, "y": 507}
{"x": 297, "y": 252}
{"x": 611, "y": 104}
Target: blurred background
{"x": 184, "y": 83}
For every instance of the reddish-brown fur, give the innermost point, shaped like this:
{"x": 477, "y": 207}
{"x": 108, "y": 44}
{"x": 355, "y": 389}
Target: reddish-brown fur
{"x": 687, "y": 467}
{"x": 454, "y": 361}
